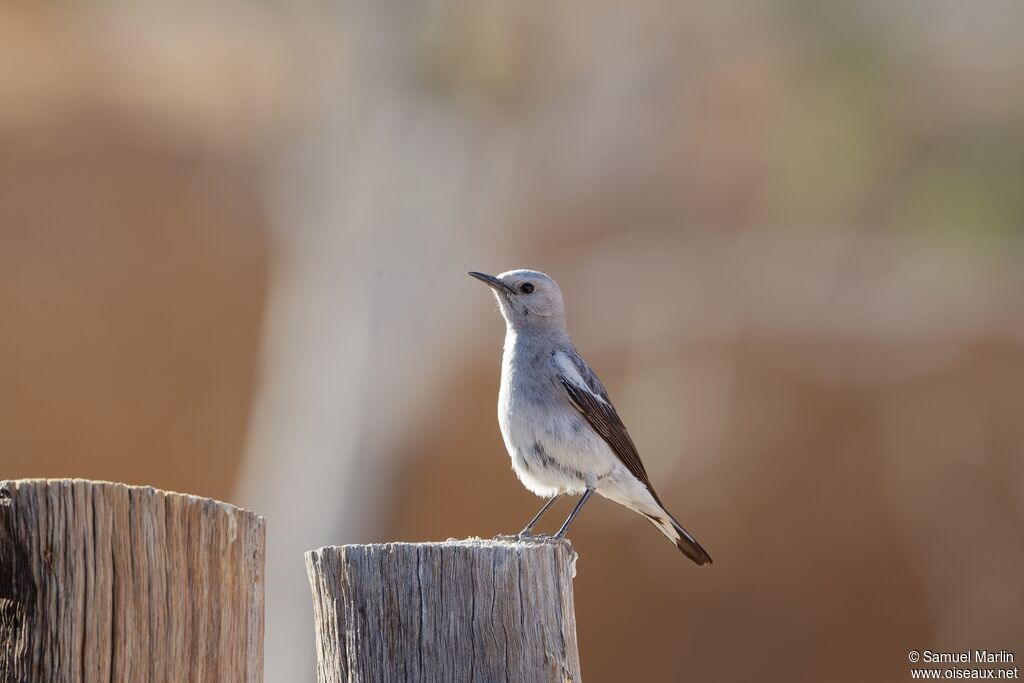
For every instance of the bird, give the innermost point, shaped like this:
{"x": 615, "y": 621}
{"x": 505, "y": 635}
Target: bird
{"x": 560, "y": 428}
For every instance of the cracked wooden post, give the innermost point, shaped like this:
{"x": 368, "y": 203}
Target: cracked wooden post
{"x": 107, "y": 582}
{"x": 472, "y": 610}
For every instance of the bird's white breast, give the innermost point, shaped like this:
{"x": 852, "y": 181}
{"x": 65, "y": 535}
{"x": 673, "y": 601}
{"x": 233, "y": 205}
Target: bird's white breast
{"x": 552, "y": 447}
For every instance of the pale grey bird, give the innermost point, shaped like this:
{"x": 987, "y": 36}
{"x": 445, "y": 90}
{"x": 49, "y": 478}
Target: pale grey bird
{"x": 559, "y": 426}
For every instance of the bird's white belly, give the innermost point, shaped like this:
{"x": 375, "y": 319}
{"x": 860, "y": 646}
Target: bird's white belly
{"x": 554, "y": 451}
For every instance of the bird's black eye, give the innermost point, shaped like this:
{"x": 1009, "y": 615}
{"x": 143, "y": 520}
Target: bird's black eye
{"x": 526, "y": 288}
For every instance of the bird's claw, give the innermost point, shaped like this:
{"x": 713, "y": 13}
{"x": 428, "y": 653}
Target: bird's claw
{"x": 525, "y": 536}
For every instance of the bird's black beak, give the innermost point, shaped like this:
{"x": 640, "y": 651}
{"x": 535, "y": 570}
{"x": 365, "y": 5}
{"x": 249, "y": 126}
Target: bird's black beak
{"x": 492, "y": 281}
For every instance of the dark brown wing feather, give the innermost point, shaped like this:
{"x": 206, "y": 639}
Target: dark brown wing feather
{"x": 602, "y": 416}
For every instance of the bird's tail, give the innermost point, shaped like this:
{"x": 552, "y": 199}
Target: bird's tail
{"x": 666, "y": 524}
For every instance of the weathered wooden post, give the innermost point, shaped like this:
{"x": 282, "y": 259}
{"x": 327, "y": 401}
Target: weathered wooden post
{"x": 107, "y": 582}
{"x": 473, "y": 610}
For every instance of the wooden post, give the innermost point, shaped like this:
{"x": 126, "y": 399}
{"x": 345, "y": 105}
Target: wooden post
{"x": 473, "y": 610}
{"x": 107, "y": 582}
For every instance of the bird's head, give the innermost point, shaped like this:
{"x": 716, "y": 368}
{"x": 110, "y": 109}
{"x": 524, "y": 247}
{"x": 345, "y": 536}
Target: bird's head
{"x": 527, "y": 298}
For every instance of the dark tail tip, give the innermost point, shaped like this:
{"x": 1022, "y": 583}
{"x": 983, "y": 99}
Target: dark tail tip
{"x": 686, "y": 543}
{"x": 692, "y": 549}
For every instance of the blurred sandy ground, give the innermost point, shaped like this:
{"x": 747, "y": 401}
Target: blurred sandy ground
{"x": 232, "y": 250}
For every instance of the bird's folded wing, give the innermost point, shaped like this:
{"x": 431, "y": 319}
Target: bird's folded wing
{"x": 588, "y": 395}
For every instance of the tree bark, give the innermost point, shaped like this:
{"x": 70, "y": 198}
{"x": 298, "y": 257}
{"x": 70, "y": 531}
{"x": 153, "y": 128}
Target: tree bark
{"x": 473, "y": 610}
{"x": 107, "y": 582}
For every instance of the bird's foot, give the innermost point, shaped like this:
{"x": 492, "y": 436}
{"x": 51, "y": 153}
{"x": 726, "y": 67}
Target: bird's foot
{"x": 525, "y": 536}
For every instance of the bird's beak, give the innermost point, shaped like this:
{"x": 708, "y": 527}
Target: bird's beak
{"x": 492, "y": 281}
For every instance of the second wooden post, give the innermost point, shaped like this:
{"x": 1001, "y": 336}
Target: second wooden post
{"x": 104, "y": 582}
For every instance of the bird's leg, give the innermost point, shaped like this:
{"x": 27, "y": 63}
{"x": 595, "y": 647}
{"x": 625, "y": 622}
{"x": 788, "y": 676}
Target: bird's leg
{"x": 528, "y": 531}
{"x": 575, "y": 511}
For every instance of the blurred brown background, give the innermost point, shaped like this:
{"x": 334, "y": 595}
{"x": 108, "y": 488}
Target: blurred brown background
{"x": 233, "y": 244}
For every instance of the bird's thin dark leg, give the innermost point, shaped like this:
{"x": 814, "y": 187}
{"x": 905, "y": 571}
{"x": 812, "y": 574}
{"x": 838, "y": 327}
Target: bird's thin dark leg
{"x": 528, "y": 531}
{"x": 575, "y": 511}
